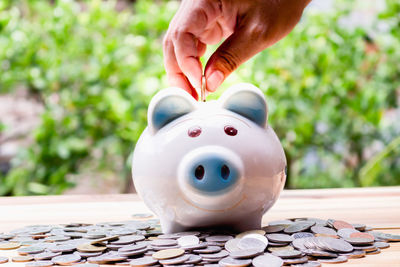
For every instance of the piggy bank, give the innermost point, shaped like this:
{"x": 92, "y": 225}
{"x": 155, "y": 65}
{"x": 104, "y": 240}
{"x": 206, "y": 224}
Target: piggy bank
{"x": 209, "y": 164}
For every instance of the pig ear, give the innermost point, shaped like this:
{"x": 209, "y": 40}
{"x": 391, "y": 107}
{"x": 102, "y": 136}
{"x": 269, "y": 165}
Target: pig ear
{"x": 247, "y": 100}
{"x": 168, "y": 105}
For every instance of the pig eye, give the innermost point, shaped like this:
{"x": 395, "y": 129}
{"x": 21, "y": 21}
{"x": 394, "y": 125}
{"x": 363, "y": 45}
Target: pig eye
{"x": 230, "y": 130}
{"x": 194, "y": 131}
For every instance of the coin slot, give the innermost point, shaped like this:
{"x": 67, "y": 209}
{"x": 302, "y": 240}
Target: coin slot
{"x": 199, "y": 172}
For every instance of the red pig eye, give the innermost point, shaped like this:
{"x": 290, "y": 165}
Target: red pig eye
{"x": 194, "y": 131}
{"x": 230, "y": 130}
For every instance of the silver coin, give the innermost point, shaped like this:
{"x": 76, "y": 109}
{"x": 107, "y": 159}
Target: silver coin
{"x": 164, "y": 242}
{"x": 128, "y": 239}
{"x": 188, "y": 240}
{"x": 66, "y": 259}
{"x": 193, "y": 259}
{"x": 279, "y": 238}
{"x": 322, "y": 230}
{"x": 339, "y": 259}
{"x": 335, "y": 245}
{"x": 319, "y": 253}
{"x": 221, "y": 254}
{"x": 232, "y": 245}
{"x": 219, "y": 238}
{"x": 302, "y": 235}
{"x": 359, "y": 241}
{"x": 251, "y": 243}
{"x": 381, "y": 245}
{"x": 346, "y": 232}
{"x": 307, "y": 264}
{"x": 86, "y": 265}
{"x": 273, "y": 229}
{"x": 63, "y": 248}
{"x": 30, "y": 250}
{"x": 132, "y": 247}
{"x": 295, "y": 261}
{"x": 193, "y": 247}
{"x": 287, "y": 254}
{"x": 267, "y": 260}
{"x": 231, "y": 262}
{"x": 133, "y": 252}
{"x": 46, "y": 255}
{"x": 355, "y": 254}
{"x": 208, "y": 249}
{"x": 298, "y": 227}
{"x": 244, "y": 254}
{"x": 39, "y": 264}
{"x": 176, "y": 260}
{"x": 143, "y": 261}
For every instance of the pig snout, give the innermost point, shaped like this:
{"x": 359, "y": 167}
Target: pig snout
{"x": 211, "y": 172}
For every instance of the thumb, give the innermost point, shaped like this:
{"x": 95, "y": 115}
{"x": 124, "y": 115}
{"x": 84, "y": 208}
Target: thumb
{"x": 238, "y": 48}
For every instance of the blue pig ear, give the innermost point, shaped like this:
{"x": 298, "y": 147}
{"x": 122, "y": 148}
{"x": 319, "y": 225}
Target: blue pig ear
{"x": 248, "y": 101}
{"x": 168, "y": 105}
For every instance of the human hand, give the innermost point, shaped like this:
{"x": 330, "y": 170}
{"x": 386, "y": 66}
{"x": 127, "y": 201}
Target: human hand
{"x": 250, "y": 26}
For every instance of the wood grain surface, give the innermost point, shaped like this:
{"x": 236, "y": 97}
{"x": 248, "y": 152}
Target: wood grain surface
{"x": 376, "y": 207}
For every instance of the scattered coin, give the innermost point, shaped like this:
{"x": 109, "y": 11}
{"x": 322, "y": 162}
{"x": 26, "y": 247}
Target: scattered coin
{"x": 39, "y": 264}
{"x": 86, "y": 247}
{"x": 298, "y": 227}
{"x": 308, "y": 264}
{"x": 66, "y": 259}
{"x": 381, "y": 245}
{"x": 355, "y": 254}
{"x": 273, "y": 229}
{"x": 22, "y": 258}
{"x": 287, "y": 254}
{"x": 30, "y": 250}
{"x": 168, "y": 253}
{"x": 280, "y": 238}
{"x": 243, "y": 234}
{"x": 3, "y": 260}
{"x": 143, "y": 261}
{"x": 9, "y": 245}
{"x": 176, "y": 260}
{"x": 231, "y": 262}
{"x": 339, "y": 259}
{"x": 252, "y": 243}
{"x": 267, "y": 260}
{"x": 244, "y": 254}
{"x": 188, "y": 240}
{"x": 342, "y": 224}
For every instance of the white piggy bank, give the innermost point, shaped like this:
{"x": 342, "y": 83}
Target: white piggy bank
{"x": 207, "y": 164}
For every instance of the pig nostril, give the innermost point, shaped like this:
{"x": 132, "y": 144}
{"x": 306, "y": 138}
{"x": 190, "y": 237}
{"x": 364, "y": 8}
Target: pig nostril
{"x": 225, "y": 172}
{"x": 199, "y": 172}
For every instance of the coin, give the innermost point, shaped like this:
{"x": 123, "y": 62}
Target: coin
{"x": 342, "y": 224}
{"x": 66, "y": 259}
{"x": 355, "y": 254}
{"x": 86, "y": 247}
{"x": 252, "y": 243}
{"x": 322, "y": 230}
{"x": 295, "y": 261}
{"x": 168, "y": 253}
{"x": 219, "y": 238}
{"x": 319, "y": 253}
{"x": 241, "y": 235}
{"x": 221, "y": 254}
{"x": 381, "y": 245}
{"x": 46, "y": 255}
{"x": 22, "y": 258}
{"x": 208, "y": 249}
{"x": 107, "y": 238}
{"x": 176, "y": 260}
{"x": 286, "y": 254}
{"x": 30, "y": 250}
{"x": 129, "y": 239}
{"x": 188, "y": 240}
{"x": 9, "y": 245}
{"x": 363, "y": 235}
{"x": 359, "y": 241}
{"x": 298, "y": 227}
{"x": 376, "y": 251}
{"x": 267, "y": 260}
{"x": 3, "y": 260}
{"x": 143, "y": 261}
{"x": 308, "y": 264}
{"x": 133, "y": 252}
{"x": 164, "y": 242}
{"x": 346, "y": 232}
{"x": 39, "y": 264}
{"x": 302, "y": 235}
{"x": 193, "y": 259}
{"x": 231, "y": 262}
{"x": 339, "y": 259}
{"x": 86, "y": 265}
{"x": 279, "y": 238}
{"x": 244, "y": 254}
{"x": 63, "y": 248}
{"x": 132, "y": 247}
{"x": 273, "y": 229}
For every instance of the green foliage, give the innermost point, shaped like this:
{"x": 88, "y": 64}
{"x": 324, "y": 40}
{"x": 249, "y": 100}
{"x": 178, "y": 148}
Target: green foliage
{"x": 95, "y": 70}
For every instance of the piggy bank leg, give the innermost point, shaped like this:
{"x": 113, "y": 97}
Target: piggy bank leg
{"x": 169, "y": 226}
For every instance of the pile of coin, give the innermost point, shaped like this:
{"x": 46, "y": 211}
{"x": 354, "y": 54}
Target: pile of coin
{"x": 140, "y": 242}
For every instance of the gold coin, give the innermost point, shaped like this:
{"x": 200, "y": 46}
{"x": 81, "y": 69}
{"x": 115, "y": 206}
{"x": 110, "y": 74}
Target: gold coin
{"x": 260, "y": 232}
{"x": 9, "y": 245}
{"x": 168, "y": 253}
{"x": 22, "y": 258}
{"x": 90, "y": 248}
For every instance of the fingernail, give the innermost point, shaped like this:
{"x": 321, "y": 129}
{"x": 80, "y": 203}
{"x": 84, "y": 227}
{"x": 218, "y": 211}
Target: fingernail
{"x": 214, "y": 80}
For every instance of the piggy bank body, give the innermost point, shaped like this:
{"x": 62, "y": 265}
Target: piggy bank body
{"x": 207, "y": 164}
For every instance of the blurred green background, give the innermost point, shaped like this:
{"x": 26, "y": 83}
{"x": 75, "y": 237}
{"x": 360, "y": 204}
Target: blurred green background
{"x": 79, "y": 76}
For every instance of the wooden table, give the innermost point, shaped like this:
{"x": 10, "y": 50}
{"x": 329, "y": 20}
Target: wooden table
{"x": 377, "y": 207}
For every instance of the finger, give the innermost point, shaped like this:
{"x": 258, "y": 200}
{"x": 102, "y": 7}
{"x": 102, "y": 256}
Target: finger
{"x": 187, "y": 57}
{"x": 201, "y": 48}
{"x": 238, "y": 48}
{"x": 174, "y": 74}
